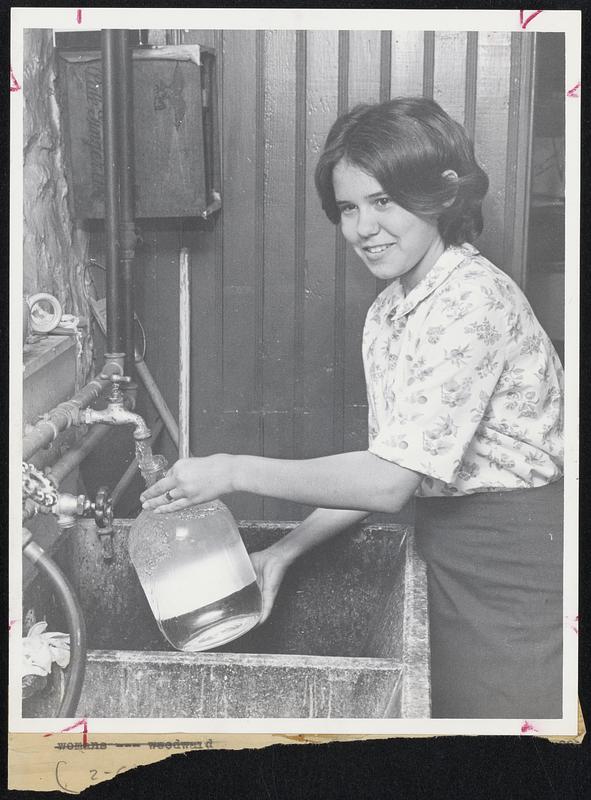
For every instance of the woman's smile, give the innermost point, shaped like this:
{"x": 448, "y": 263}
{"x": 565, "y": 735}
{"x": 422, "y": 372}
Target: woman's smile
{"x": 391, "y": 241}
{"x": 375, "y": 252}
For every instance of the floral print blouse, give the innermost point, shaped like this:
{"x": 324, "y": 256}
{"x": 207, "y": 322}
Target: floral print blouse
{"x": 464, "y": 386}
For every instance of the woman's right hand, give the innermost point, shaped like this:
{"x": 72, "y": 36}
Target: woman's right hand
{"x": 270, "y": 566}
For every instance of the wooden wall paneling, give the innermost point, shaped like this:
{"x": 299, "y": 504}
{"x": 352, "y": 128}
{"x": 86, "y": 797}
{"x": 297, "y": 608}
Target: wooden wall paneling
{"x": 206, "y": 37}
{"x": 492, "y": 116}
{"x": 340, "y": 266}
{"x": 449, "y": 81}
{"x": 471, "y": 83}
{"x": 157, "y": 266}
{"x": 519, "y": 142}
{"x": 238, "y": 405}
{"x": 318, "y": 377}
{"x": 279, "y": 255}
{"x": 407, "y": 63}
{"x": 299, "y": 410}
{"x": 364, "y": 84}
{"x": 207, "y": 320}
{"x": 428, "y": 63}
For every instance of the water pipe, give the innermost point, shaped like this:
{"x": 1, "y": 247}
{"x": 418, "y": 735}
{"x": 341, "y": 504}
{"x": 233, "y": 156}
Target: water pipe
{"x": 76, "y": 455}
{"x": 59, "y": 419}
{"x": 131, "y": 470}
{"x": 156, "y": 396}
{"x": 74, "y": 618}
{"x": 111, "y": 171}
{"x": 127, "y": 232}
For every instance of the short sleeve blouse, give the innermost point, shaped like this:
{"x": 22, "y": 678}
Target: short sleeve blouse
{"x": 463, "y": 384}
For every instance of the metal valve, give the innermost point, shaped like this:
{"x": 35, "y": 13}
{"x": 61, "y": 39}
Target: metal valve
{"x": 103, "y": 516}
{"x": 102, "y": 508}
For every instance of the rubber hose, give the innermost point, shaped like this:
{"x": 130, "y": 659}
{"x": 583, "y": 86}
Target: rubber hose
{"x": 76, "y": 626}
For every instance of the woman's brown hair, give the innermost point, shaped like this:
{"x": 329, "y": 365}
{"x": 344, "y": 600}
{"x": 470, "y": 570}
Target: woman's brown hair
{"x": 412, "y": 148}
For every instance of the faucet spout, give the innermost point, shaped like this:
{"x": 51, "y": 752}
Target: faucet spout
{"x": 117, "y": 414}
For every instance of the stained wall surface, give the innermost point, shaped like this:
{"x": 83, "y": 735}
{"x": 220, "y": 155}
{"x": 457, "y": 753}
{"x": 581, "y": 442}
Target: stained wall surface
{"x": 54, "y": 244}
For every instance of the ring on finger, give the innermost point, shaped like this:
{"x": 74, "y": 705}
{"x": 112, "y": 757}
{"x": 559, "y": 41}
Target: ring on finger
{"x": 169, "y": 497}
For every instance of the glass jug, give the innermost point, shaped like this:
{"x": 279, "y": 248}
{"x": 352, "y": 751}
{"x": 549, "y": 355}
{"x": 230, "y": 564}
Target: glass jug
{"x": 196, "y": 574}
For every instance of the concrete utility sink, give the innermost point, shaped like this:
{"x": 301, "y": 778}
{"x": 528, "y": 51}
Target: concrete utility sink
{"x": 348, "y": 636}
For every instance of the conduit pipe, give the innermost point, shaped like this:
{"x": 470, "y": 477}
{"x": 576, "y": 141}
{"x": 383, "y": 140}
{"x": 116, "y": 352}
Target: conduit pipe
{"x": 45, "y": 430}
{"x": 76, "y": 455}
{"x": 111, "y": 171}
{"x": 184, "y": 352}
{"x": 127, "y": 234}
{"x": 156, "y": 396}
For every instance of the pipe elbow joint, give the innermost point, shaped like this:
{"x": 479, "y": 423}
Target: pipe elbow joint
{"x": 67, "y": 509}
{"x": 116, "y": 414}
{"x": 141, "y": 431}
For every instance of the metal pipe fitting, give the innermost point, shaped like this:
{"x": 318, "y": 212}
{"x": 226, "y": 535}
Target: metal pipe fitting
{"x": 45, "y": 430}
{"x": 117, "y": 414}
{"x": 131, "y": 470}
{"x": 68, "y": 508}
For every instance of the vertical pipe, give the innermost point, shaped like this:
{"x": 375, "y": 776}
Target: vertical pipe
{"x": 184, "y": 352}
{"x": 126, "y": 189}
{"x": 111, "y": 167}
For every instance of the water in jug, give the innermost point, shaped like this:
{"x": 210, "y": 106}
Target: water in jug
{"x": 195, "y": 572}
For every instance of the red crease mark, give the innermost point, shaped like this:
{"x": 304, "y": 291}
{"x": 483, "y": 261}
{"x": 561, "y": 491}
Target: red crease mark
{"x": 79, "y": 16}
{"x": 575, "y": 624}
{"x": 14, "y": 84}
{"x": 574, "y": 91}
{"x": 527, "y": 727}
{"x": 11, "y": 623}
{"x": 82, "y": 722}
{"x": 524, "y": 21}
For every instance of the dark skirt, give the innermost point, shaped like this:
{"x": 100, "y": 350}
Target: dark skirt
{"x": 494, "y": 565}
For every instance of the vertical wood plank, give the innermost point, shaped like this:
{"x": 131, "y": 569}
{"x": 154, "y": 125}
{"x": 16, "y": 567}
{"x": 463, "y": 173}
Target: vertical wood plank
{"x": 428, "y": 63}
{"x": 365, "y": 83}
{"x": 471, "y": 83}
{"x": 407, "y": 63}
{"x": 518, "y": 172}
{"x": 279, "y": 244}
{"x": 385, "y": 65}
{"x": 449, "y": 81}
{"x": 157, "y": 267}
{"x": 299, "y": 242}
{"x": 317, "y": 379}
{"x": 239, "y": 269}
{"x": 207, "y": 318}
{"x": 492, "y": 115}
{"x": 340, "y": 266}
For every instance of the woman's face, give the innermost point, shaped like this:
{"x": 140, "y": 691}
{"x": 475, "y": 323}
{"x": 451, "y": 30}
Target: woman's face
{"x": 391, "y": 242}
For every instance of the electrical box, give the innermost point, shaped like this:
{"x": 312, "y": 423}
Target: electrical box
{"x": 175, "y": 129}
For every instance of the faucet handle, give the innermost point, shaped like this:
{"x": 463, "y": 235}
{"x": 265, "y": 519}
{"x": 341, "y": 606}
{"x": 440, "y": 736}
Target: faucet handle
{"x": 115, "y": 377}
{"x": 103, "y": 508}
{"x": 116, "y": 395}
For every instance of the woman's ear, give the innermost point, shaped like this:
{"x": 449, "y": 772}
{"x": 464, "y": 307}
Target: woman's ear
{"x": 451, "y": 178}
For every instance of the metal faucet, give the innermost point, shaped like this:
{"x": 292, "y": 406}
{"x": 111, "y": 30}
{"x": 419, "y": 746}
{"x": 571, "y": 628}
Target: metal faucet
{"x": 116, "y": 413}
{"x": 41, "y": 494}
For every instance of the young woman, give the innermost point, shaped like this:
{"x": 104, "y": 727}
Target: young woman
{"x": 465, "y": 414}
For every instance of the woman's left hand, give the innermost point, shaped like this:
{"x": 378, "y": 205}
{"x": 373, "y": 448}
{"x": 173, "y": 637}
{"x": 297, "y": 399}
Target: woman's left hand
{"x": 190, "y": 481}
